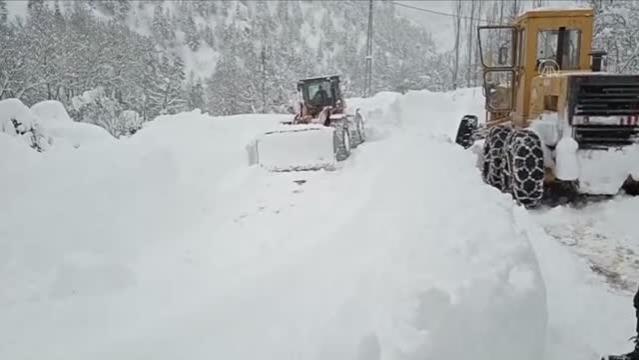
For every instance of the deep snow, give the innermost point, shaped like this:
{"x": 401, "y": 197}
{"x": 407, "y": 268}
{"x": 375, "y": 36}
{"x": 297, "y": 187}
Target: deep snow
{"x": 168, "y": 245}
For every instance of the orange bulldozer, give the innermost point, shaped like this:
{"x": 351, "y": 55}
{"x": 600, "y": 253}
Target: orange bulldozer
{"x": 321, "y": 133}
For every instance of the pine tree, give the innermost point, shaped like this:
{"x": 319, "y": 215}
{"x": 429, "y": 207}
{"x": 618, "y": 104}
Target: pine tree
{"x": 35, "y": 5}
{"x": 160, "y": 25}
{"x": 195, "y": 93}
{"x": 122, "y": 9}
{"x": 282, "y": 12}
{"x": 192, "y": 36}
{"x": 223, "y": 87}
{"x": 172, "y": 70}
{"x": 297, "y": 15}
{"x": 616, "y": 26}
{"x": 208, "y": 36}
{"x": 3, "y": 12}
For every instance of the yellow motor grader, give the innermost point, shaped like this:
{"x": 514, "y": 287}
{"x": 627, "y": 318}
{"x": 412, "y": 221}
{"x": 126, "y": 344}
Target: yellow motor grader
{"x": 555, "y": 121}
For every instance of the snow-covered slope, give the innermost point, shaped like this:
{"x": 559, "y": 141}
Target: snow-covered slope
{"x": 167, "y": 245}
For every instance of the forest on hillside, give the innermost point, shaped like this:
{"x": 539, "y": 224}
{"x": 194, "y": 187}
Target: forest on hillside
{"x": 106, "y": 58}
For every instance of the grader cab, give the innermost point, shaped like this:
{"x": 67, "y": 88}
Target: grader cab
{"x": 554, "y": 119}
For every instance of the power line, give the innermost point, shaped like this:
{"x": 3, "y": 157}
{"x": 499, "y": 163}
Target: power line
{"x": 436, "y": 12}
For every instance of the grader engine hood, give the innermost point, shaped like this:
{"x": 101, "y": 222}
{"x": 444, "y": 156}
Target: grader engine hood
{"x": 603, "y": 109}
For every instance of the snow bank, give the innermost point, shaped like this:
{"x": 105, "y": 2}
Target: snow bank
{"x": 422, "y": 281}
{"x": 63, "y": 131}
{"x": 48, "y": 124}
{"x": 77, "y": 134}
{"x": 168, "y": 245}
{"x": 587, "y": 320}
{"x": 381, "y": 114}
{"x": 51, "y": 111}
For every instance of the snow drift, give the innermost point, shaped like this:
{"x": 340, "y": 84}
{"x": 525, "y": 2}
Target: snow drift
{"x": 62, "y": 130}
{"x": 166, "y": 244}
{"x": 51, "y": 111}
{"x": 47, "y": 125}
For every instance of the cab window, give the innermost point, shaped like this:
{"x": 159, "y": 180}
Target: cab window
{"x": 549, "y": 47}
{"x": 521, "y": 56}
{"x": 319, "y": 93}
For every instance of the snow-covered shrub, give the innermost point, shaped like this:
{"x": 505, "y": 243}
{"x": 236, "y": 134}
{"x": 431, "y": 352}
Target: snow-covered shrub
{"x": 96, "y": 107}
{"x": 129, "y": 122}
{"x": 60, "y": 129}
{"x": 16, "y": 119}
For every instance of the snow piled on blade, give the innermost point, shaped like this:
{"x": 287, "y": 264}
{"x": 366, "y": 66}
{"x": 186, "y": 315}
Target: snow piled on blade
{"x": 294, "y": 147}
{"x": 167, "y": 245}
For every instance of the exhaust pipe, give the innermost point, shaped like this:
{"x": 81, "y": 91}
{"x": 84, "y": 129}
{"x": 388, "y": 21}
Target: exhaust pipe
{"x": 597, "y": 60}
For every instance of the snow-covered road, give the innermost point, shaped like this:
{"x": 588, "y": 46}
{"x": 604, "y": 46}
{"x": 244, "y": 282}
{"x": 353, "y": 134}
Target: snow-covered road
{"x": 167, "y": 245}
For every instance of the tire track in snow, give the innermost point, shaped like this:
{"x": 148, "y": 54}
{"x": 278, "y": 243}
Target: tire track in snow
{"x": 603, "y": 234}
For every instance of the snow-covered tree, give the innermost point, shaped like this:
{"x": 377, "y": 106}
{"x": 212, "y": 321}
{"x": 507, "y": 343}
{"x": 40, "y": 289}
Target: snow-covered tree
{"x": 4, "y": 14}
{"x": 164, "y": 93}
{"x": 195, "y": 95}
{"x": 617, "y": 32}
{"x": 96, "y": 107}
{"x": 65, "y": 48}
{"x": 191, "y": 33}
{"x": 224, "y": 86}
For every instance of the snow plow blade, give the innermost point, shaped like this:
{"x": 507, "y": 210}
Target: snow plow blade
{"x": 294, "y": 148}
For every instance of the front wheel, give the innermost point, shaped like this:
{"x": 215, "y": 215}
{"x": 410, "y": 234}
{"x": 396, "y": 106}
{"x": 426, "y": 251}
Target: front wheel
{"x": 466, "y": 130}
{"x": 358, "y": 131}
{"x": 361, "y": 130}
{"x": 341, "y": 142}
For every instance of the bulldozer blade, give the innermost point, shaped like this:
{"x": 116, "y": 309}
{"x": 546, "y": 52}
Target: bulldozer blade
{"x": 294, "y": 148}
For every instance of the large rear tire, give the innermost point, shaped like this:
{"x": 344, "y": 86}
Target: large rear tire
{"x": 525, "y": 167}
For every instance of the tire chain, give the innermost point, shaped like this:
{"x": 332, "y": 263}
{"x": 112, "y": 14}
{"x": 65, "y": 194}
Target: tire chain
{"x": 525, "y": 167}
{"x": 513, "y": 163}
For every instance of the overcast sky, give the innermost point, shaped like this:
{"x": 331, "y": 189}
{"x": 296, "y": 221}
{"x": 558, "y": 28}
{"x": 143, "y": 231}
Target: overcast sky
{"x": 440, "y": 26}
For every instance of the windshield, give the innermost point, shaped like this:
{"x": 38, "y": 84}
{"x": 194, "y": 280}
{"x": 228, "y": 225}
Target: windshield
{"x": 319, "y": 93}
{"x": 548, "y": 47}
